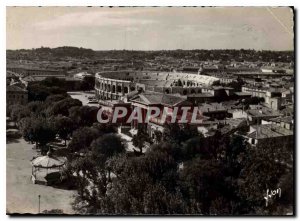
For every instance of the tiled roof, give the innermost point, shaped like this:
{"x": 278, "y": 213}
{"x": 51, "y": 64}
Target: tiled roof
{"x": 263, "y": 112}
{"x": 14, "y": 88}
{"x": 287, "y": 119}
{"x": 269, "y": 131}
{"x": 41, "y": 77}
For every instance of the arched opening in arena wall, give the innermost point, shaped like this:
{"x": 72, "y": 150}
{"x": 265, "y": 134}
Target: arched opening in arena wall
{"x": 119, "y": 89}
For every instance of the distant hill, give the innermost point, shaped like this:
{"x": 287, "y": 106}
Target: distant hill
{"x": 50, "y": 53}
{"x": 46, "y": 53}
{"x": 202, "y": 55}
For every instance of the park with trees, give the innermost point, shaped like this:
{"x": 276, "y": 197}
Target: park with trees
{"x": 182, "y": 172}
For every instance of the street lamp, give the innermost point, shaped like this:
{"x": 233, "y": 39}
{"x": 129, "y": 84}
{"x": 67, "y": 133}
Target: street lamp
{"x": 39, "y": 203}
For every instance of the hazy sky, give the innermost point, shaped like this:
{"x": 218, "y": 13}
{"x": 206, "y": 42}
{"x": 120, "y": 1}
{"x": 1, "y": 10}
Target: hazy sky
{"x": 150, "y": 28}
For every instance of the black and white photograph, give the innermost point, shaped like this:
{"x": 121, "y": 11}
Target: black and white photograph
{"x": 150, "y": 111}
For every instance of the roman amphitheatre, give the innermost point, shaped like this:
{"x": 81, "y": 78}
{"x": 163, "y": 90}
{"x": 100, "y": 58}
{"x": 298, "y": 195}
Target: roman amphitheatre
{"x": 114, "y": 85}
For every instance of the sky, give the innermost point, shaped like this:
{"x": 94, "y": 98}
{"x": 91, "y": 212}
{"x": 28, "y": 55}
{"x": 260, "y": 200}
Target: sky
{"x": 150, "y": 28}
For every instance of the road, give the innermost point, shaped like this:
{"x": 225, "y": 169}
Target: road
{"x": 83, "y": 97}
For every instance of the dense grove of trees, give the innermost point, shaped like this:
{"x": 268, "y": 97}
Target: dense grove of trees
{"x": 55, "y": 86}
{"x": 185, "y": 173}
{"x": 44, "y": 118}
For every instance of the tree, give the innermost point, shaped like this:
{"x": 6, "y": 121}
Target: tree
{"x": 262, "y": 169}
{"x": 179, "y": 133}
{"x": 55, "y": 97}
{"x": 196, "y": 146}
{"x": 25, "y": 129}
{"x": 105, "y": 128}
{"x": 140, "y": 139}
{"x": 17, "y": 112}
{"x": 53, "y": 82}
{"x": 185, "y": 173}
{"x": 158, "y": 135}
{"x": 169, "y": 148}
{"x": 9, "y": 109}
{"x": 64, "y": 126}
{"x": 83, "y": 115}
{"x": 107, "y": 145}
{"x": 94, "y": 173}
{"x": 135, "y": 188}
{"x": 37, "y": 92}
{"x": 39, "y": 130}
{"x": 202, "y": 181}
{"x": 88, "y": 83}
{"x": 62, "y": 107}
{"x": 82, "y": 138}
{"x": 35, "y": 107}
{"x": 137, "y": 194}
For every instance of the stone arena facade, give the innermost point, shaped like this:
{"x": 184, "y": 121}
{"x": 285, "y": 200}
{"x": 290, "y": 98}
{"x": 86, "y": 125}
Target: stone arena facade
{"x": 114, "y": 85}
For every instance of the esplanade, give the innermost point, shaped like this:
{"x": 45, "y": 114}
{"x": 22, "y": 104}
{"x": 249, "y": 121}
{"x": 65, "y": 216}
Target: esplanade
{"x": 113, "y": 85}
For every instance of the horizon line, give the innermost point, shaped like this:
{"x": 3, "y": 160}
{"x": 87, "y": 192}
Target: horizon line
{"x": 177, "y": 49}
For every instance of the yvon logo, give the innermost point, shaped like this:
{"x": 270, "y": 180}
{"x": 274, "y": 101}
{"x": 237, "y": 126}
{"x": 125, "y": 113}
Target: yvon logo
{"x": 272, "y": 193}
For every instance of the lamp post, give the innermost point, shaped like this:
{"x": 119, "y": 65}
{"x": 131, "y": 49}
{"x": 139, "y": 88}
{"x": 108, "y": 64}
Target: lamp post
{"x": 39, "y": 203}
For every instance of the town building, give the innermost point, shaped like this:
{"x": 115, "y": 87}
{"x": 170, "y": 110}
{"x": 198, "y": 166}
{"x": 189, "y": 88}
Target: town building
{"x": 255, "y": 116}
{"x": 260, "y": 136}
{"x": 16, "y": 95}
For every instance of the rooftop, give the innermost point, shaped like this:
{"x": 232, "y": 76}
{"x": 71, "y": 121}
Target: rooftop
{"x": 287, "y": 119}
{"x": 200, "y": 95}
{"x": 212, "y": 107}
{"x": 13, "y": 88}
{"x": 268, "y": 131}
{"x": 263, "y": 112}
